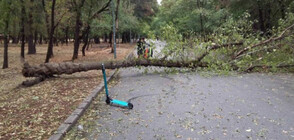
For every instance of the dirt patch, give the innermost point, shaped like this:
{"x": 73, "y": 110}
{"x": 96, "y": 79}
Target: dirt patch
{"x": 36, "y": 112}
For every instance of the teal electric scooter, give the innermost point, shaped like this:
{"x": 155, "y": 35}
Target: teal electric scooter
{"x": 113, "y": 101}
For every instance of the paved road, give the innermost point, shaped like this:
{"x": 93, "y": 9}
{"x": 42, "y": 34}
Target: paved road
{"x": 191, "y": 106}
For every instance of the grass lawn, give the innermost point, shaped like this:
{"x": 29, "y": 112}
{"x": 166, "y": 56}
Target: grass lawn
{"x": 36, "y": 112}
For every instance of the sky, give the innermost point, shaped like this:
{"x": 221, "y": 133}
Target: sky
{"x": 159, "y": 1}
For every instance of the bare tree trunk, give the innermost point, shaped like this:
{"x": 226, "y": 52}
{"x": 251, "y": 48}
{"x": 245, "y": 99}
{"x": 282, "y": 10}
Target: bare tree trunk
{"x": 49, "y": 69}
{"x": 41, "y": 39}
{"x": 201, "y": 17}
{"x": 36, "y": 38}
{"x": 261, "y": 19}
{"x": 105, "y": 38}
{"x": 31, "y": 45}
{"x": 77, "y": 37}
{"x": 110, "y": 38}
{"x": 66, "y": 35}
{"x": 77, "y": 29}
{"x": 5, "y": 62}
{"x": 51, "y": 35}
{"x": 85, "y": 39}
{"x": 22, "y": 52}
{"x": 97, "y": 40}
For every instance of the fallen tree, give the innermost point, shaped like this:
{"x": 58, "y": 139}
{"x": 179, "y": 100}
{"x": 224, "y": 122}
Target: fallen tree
{"x": 50, "y": 69}
{"x": 47, "y": 70}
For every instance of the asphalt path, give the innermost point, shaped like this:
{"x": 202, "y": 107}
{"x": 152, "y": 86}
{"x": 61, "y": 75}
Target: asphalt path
{"x": 192, "y": 106}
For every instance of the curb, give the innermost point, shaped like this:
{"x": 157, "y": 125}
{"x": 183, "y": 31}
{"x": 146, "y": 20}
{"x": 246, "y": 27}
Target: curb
{"x": 78, "y": 112}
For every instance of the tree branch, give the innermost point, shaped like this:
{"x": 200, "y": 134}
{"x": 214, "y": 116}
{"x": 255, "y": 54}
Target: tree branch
{"x": 281, "y": 36}
{"x": 215, "y": 47}
{"x": 104, "y": 8}
{"x": 59, "y": 20}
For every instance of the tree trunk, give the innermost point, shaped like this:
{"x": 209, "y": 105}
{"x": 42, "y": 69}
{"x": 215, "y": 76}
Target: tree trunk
{"x": 31, "y": 45}
{"x": 77, "y": 29}
{"x": 6, "y": 28}
{"x": 41, "y": 39}
{"x": 77, "y": 36}
{"x": 97, "y": 40}
{"x": 55, "y": 41}
{"x": 268, "y": 17}
{"x": 116, "y": 16}
{"x": 105, "y": 38}
{"x": 51, "y": 35}
{"x": 66, "y": 34}
{"x": 22, "y": 30}
{"x": 261, "y": 19}
{"x": 5, "y": 62}
{"x": 46, "y": 19}
{"x": 50, "y": 69}
{"x": 85, "y": 39}
{"x": 110, "y": 38}
{"x": 89, "y": 42}
{"x": 282, "y": 8}
{"x": 36, "y": 38}
{"x": 201, "y": 17}
{"x": 14, "y": 39}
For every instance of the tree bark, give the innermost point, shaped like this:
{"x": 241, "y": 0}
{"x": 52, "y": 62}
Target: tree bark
{"x": 105, "y": 38}
{"x": 35, "y": 38}
{"x": 116, "y": 16}
{"x": 6, "y": 39}
{"x": 97, "y": 40}
{"x": 85, "y": 39}
{"x": 261, "y": 19}
{"x": 5, "y": 62}
{"x": 22, "y": 31}
{"x": 78, "y": 25}
{"x": 49, "y": 69}
{"x": 110, "y": 38}
{"x": 35, "y": 81}
{"x": 31, "y": 45}
{"x": 41, "y": 39}
{"x": 51, "y": 35}
{"x": 66, "y": 34}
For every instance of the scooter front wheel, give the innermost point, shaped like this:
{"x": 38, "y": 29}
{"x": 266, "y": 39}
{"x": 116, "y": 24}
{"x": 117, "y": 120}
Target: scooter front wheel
{"x": 130, "y": 105}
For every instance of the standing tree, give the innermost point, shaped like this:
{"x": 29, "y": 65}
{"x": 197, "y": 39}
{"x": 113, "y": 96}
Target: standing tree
{"x": 6, "y": 8}
{"x": 31, "y": 45}
{"x": 51, "y": 33}
{"x": 22, "y": 30}
{"x": 77, "y": 7}
{"x": 51, "y": 27}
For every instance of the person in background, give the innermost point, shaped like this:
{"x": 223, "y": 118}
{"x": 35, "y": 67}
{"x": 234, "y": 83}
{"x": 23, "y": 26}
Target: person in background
{"x": 141, "y": 47}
